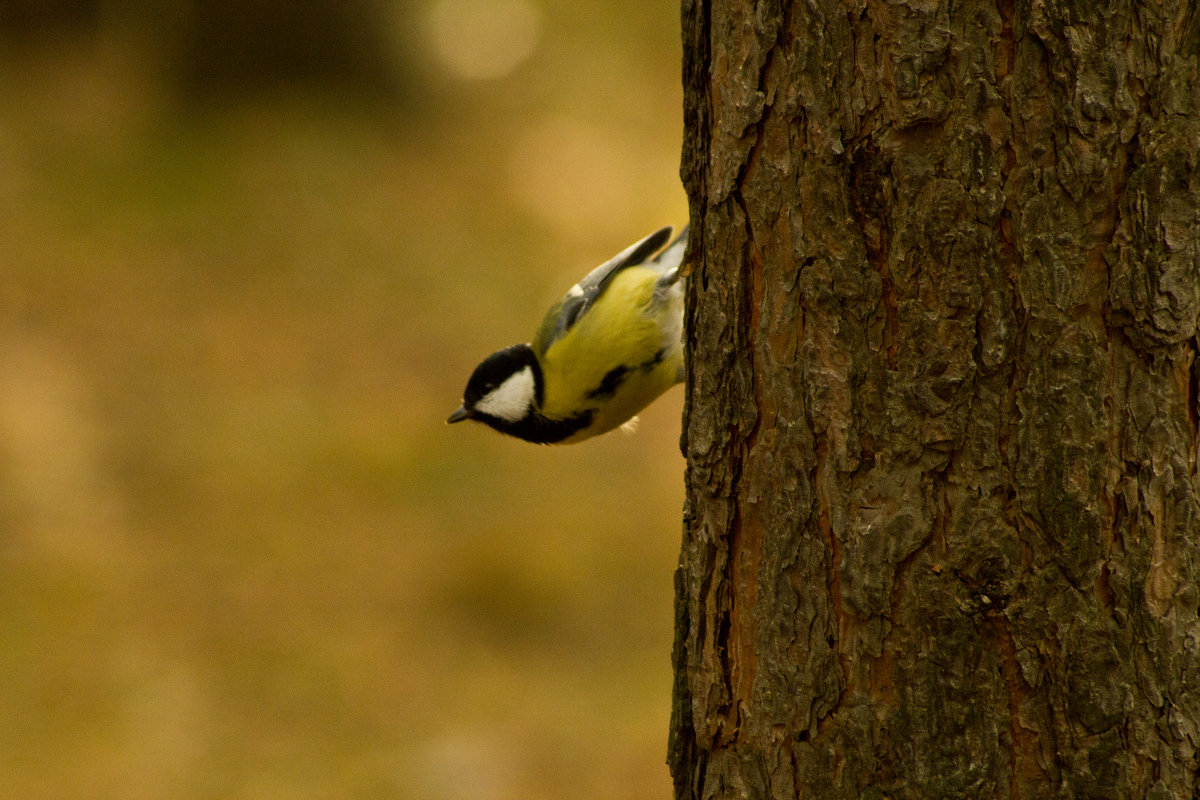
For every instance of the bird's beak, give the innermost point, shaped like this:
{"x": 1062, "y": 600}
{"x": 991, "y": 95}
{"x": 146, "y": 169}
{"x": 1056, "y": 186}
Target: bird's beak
{"x": 459, "y": 415}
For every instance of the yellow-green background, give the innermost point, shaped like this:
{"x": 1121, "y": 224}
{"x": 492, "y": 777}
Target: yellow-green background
{"x": 241, "y": 554}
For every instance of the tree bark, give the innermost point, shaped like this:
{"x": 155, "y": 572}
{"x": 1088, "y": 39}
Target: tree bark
{"x": 942, "y": 534}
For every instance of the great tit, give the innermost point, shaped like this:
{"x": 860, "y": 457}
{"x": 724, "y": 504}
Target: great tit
{"x": 609, "y": 347}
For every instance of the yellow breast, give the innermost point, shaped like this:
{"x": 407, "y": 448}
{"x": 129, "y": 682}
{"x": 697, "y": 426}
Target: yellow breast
{"x": 624, "y": 352}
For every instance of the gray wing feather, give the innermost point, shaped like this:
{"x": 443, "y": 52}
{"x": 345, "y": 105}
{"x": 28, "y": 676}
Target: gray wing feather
{"x": 583, "y": 294}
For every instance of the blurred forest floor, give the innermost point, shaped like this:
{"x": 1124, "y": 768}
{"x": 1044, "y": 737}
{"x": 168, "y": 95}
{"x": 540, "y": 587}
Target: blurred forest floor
{"x": 241, "y": 555}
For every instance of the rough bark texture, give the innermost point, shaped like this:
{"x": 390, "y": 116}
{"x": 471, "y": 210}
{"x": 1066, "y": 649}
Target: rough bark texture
{"x": 942, "y": 537}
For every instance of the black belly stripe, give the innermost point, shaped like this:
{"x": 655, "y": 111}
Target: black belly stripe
{"x": 658, "y": 358}
{"x": 609, "y": 383}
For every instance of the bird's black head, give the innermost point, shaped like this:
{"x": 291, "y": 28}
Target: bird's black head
{"x": 505, "y": 388}
{"x": 505, "y": 393}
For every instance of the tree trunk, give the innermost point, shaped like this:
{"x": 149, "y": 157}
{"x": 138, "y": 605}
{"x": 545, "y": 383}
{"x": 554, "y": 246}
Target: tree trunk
{"x": 942, "y": 536}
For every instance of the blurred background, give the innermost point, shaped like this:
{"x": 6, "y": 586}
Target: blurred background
{"x": 249, "y": 253}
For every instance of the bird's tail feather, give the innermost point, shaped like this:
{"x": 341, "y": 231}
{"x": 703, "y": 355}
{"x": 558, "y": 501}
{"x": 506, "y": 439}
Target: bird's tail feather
{"x": 671, "y": 258}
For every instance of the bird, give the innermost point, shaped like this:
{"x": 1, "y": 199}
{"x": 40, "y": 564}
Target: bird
{"x": 605, "y": 351}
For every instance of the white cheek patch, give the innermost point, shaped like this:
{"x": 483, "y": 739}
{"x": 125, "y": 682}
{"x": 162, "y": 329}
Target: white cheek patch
{"x": 510, "y": 400}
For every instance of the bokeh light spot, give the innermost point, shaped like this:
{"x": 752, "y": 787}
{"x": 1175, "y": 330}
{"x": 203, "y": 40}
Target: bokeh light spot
{"x": 483, "y": 39}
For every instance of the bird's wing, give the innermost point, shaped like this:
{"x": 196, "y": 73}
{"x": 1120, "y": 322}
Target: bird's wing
{"x": 583, "y": 294}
